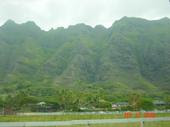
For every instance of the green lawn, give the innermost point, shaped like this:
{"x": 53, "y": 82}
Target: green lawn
{"x": 65, "y": 117}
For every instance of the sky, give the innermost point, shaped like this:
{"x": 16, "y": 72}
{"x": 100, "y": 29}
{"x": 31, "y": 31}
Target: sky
{"x": 62, "y": 13}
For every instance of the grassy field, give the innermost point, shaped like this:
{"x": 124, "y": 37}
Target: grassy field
{"x": 12, "y": 118}
{"x": 148, "y": 124}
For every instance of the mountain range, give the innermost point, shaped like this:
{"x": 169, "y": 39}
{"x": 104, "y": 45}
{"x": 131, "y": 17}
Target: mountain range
{"x": 131, "y": 55}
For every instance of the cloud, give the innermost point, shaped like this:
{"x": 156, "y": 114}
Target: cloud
{"x": 55, "y": 13}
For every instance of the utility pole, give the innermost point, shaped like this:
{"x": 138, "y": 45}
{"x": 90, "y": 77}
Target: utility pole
{"x": 142, "y": 123}
{"x": 88, "y": 124}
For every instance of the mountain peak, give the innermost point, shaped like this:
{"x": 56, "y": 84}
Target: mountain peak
{"x": 79, "y": 25}
{"x": 131, "y": 19}
{"x": 9, "y": 22}
{"x": 125, "y": 21}
{"x": 165, "y": 19}
{"x": 31, "y": 24}
{"x": 99, "y": 27}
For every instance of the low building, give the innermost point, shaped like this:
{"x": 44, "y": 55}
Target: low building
{"x": 159, "y": 103}
{"x": 119, "y": 105}
{"x": 41, "y": 104}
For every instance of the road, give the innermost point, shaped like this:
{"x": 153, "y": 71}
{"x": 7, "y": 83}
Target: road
{"x": 80, "y": 122}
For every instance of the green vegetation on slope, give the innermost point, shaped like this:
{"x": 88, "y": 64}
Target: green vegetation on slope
{"x": 133, "y": 54}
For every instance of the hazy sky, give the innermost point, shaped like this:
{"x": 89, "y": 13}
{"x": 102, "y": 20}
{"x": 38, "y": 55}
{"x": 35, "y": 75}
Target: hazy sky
{"x": 55, "y": 13}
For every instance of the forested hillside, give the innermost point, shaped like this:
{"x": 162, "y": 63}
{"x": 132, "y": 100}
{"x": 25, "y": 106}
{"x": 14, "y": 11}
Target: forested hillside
{"x": 133, "y": 54}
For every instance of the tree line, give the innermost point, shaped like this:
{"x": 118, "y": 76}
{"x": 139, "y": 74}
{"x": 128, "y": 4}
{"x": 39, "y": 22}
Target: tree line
{"x": 68, "y": 100}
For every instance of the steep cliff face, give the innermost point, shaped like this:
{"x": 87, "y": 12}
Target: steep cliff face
{"x": 132, "y": 54}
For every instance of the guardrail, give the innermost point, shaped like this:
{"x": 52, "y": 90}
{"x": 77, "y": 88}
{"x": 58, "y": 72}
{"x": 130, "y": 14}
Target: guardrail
{"x": 82, "y": 122}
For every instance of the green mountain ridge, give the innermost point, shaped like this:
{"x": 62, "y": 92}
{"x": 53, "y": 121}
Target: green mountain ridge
{"x": 133, "y": 54}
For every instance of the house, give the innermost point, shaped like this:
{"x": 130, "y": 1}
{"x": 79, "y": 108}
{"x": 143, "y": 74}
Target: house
{"x": 159, "y": 103}
{"x": 119, "y": 105}
{"x": 41, "y": 104}
{"x": 44, "y": 107}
